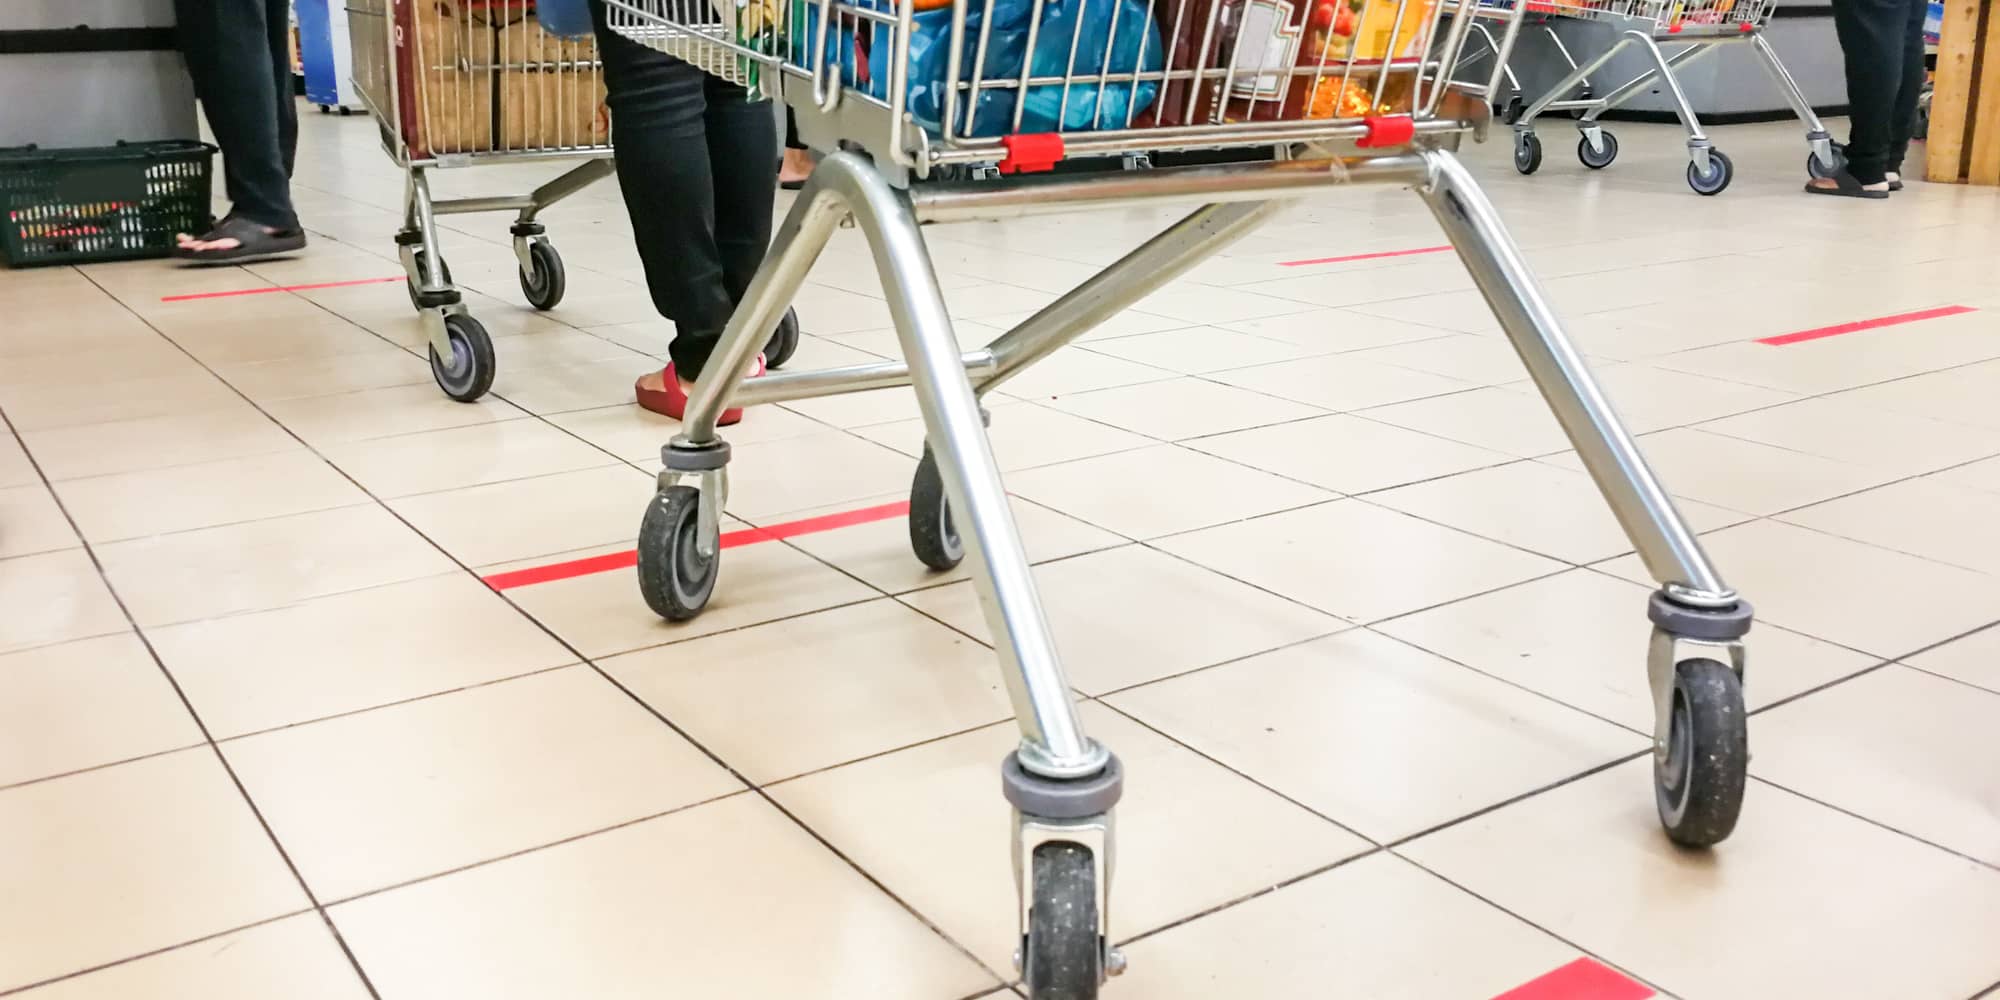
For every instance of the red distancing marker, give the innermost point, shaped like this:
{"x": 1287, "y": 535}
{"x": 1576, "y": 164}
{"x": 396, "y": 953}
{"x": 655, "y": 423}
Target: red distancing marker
{"x": 611, "y": 561}
{"x": 1364, "y": 256}
{"x": 1865, "y": 324}
{"x": 268, "y": 289}
{"x": 1583, "y": 979}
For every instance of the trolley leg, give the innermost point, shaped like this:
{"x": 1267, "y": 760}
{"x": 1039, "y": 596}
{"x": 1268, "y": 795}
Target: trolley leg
{"x": 1111, "y": 291}
{"x": 1700, "y": 757}
{"x": 1583, "y": 80}
{"x": 1816, "y": 134}
{"x": 1505, "y": 68}
{"x": 1570, "y": 82}
{"x": 432, "y": 272}
{"x": 527, "y": 230}
{"x": 1663, "y": 71}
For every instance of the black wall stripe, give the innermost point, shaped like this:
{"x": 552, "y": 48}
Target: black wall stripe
{"x": 52, "y": 40}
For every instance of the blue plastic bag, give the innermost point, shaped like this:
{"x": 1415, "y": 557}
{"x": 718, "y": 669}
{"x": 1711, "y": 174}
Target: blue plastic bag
{"x": 1006, "y": 46}
{"x": 564, "y": 18}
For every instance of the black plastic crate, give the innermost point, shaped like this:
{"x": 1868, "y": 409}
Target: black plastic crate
{"x": 123, "y": 202}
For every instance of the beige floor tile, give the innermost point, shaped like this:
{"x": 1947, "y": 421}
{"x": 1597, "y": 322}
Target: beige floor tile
{"x": 1830, "y": 587}
{"x": 1341, "y": 382}
{"x": 359, "y": 416}
{"x": 1649, "y": 399}
{"x": 1847, "y": 431}
{"x": 379, "y": 798}
{"x": 129, "y": 859}
{"x": 813, "y": 472}
{"x": 295, "y": 958}
{"x": 1743, "y": 475}
{"x": 1158, "y": 491}
{"x": 698, "y": 903}
{"x": 1377, "y": 927}
{"x": 464, "y": 456}
{"x": 1182, "y": 408}
{"x": 1065, "y": 372}
{"x": 561, "y": 347}
{"x": 68, "y": 596}
{"x": 202, "y": 496}
{"x": 348, "y": 652}
{"x": 1493, "y": 418}
{"x": 1108, "y": 608}
{"x": 527, "y": 518}
{"x": 1191, "y": 304}
{"x": 1982, "y": 475}
{"x": 931, "y": 824}
{"x": 265, "y": 564}
{"x": 15, "y": 469}
{"x": 1839, "y": 908}
{"x": 378, "y": 367}
{"x": 1347, "y": 454}
{"x": 50, "y": 403}
{"x": 558, "y": 388}
{"x": 1467, "y": 357}
{"x": 1961, "y": 395}
{"x": 1902, "y": 747}
{"x": 1357, "y": 560}
{"x": 860, "y": 409}
{"x": 1023, "y": 436}
{"x": 1580, "y": 638}
{"x": 879, "y": 554}
{"x": 1811, "y": 367}
{"x": 156, "y": 442}
{"x": 603, "y": 613}
{"x": 636, "y": 435}
{"x": 1538, "y": 507}
{"x": 31, "y": 522}
{"x": 1918, "y": 516}
{"x": 1336, "y": 330}
{"x": 1452, "y": 740}
{"x": 86, "y": 704}
{"x": 1974, "y": 659}
{"x": 881, "y": 677}
{"x": 1201, "y": 349}
{"x": 221, "y": 339}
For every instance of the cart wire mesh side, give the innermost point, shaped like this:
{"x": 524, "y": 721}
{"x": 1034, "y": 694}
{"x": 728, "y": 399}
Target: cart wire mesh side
{"x": 1698, "y": 27}
{"x": 900, "y": 96}
{"x": 460, "y": 83}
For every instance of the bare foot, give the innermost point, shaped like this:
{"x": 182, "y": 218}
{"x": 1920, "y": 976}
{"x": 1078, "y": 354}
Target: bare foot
{"x": 798, "y": 166}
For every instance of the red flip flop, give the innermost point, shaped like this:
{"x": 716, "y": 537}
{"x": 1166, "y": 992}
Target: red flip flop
{"x": 672, "y": 401}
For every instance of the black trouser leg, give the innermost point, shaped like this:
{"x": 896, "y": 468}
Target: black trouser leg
{"x": 1872, "y": 44}
{"x": 697, "y": 164}
{"x": 792, "y": 131}
{"x": 239, "y": 60}
{"x": 1903, "y": 123}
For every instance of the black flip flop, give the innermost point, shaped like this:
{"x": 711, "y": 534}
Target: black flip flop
{"x": 792, "y": 185}
{"x": 253, "y": 243}
{"x": 1845, "y": 186}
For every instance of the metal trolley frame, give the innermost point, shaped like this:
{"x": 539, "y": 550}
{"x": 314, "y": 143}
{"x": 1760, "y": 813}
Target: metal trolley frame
{"x": 1062, "y": 784}
{"x": 419, "y": 96}
{"x": 1701, "y": 27}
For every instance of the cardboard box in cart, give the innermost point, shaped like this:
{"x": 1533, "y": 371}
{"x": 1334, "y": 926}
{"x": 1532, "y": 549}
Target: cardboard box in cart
{"x": 473, "y": 66}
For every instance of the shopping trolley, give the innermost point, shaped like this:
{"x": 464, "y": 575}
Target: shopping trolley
{"x": 1357, "y": 91}
{"x": 1700, "y": 26}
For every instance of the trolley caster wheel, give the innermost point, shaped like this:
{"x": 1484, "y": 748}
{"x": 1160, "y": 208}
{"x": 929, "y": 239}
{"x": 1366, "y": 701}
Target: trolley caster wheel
{"x": 784, "y": 341}
{"x": 543, "y": 286}
{"x": 1699, "y": 785}
{"x": 468, "y": 373}
{"x": 411, "y": 283}
{"x": 1063, "y": 957}
{"x": 1821, "y": 170}
{"x": 932, "y": 535}
{"x": 1716, "y": 180}
{"x": 674, "y": 578}
{"x": 1514, "y": 109}
{"x": 1597, "y": 159}
{"x": 346, "y": 111}
{"x": 1528, "y": 153}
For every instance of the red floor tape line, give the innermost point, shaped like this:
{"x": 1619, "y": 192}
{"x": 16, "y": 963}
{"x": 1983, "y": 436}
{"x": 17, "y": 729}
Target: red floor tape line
{"x": 1866, "y": 324}
{"x": 731, "y": 539}
{"x": 1364, "y": 256}
{"x": 268, "y": 289}
{"x": 1583, "y": 979}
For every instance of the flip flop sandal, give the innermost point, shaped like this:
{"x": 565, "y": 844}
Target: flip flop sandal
{"x": 253, "y": 244}
{"x": 1845, "y": 186}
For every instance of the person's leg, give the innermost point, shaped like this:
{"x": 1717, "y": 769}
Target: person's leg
{"x": 1870, "y": 44}
{"x": 798, "y": 163}
{"x": 226, "y": 43}
{"x": 277, "y": 25}
{"x": 741, "y": 141}
{"x": 1910, "y": 87}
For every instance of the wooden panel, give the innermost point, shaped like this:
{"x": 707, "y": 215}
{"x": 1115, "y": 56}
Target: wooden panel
{"x": 1958, "y": 52}
{"x": 1983, "y": 160}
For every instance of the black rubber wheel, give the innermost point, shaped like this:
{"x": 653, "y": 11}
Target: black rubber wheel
{"x": 468, "y": 373}
{"x": 784, "y": 341}
{"x": 1699, "y": 787}
{"x": 1515, "y": 108}
{"x": 932, "y": 535}
{"x": 411, "y": 283}
{"x": 346, "y": 111}
{"x": 543, "y": 286}
{"x": 673, "y": 577}
{"x": 1821, "y": 171}
{"x": 1063, "y": 957}
{"x": 1597, "y": 159}
{"x": 1528, "y": 152}
{"x": 1716, "y": 181}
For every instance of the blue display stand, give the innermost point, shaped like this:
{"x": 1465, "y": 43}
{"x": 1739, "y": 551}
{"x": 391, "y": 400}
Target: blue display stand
{"x": 325, "y": 54}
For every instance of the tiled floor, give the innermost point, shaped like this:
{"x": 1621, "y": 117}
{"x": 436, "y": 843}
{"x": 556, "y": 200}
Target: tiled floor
{"x": 1319, "y": 560}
